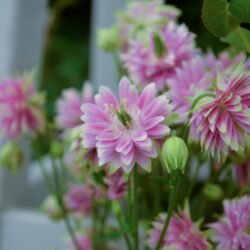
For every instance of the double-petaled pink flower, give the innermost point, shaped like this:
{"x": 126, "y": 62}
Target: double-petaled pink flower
{"x": 124, "y": 129}
{"x": 145, "y": 66}
{"x": 116, "y": 185}
{"x": 69, "y": 106}
{"x": 20, "y": 107}
{"x": 232, "y": 231}
{"x": 182, "y": 234}
{"x": 189, "y": 81}
{"x": 79, "y": 199}
{"x": 221, "y": 123}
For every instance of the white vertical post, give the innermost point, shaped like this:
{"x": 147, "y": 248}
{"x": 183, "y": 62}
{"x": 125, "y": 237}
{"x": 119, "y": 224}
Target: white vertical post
{"x": 103, "y": 69}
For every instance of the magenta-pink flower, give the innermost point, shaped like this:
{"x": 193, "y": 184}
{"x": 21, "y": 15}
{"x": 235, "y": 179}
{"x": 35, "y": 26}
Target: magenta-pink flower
{"x": 79, "y": 199}
{"x": 189, "y": 81}
{"x": 222, "y": 122}
{"x": 116, "y": 185}
{"x": 69, "y": 106}
{"x": 83, "y": 242}
{"x": 20, "y": 107}
{"x": 232, "y": 231}
{"x": 124, "y": 129}
{"x": 144, "y": 66}
{"x": 182, "y": 233}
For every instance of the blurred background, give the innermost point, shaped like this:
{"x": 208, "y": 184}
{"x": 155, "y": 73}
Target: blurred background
{"x": 57, "y": 38}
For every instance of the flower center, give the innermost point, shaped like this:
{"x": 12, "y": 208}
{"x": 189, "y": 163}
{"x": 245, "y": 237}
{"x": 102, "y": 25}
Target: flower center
{"x": 123, "y": 116}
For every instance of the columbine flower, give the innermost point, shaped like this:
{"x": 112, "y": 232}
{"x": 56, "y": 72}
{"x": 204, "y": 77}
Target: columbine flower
{"x": 182, "y": 234}
{"x": 69, "y": 106}
{"x": 145, "y": 65}
{"x": 83, "y": 242}
{"x": 79, "y": 199}
{"x": 224, "y": 62}
{"x": 123, "y": 130}
{"x": 189, "y": 81}
{"x": 20, "y": 107}
{"x": 242, "y": 173}
{"x": 116, "y": 185}
{"x": 232, "y": 231}
{"x": 144, "y": 16}
{"x": 221, "y": 123}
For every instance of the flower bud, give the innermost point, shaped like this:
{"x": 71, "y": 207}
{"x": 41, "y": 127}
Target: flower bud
{"x": 56, "y": 149}
{"x": 174, "y": 154}
{"x": 213, "y": 192}
{"x": 51, "y": 208}
{"x": 11, "y": 155}
{"x": 108, "y": 39}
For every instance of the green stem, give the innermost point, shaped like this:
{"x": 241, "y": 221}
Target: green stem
{"x": 174, "y": 185}
{"x": 135, "y": 208}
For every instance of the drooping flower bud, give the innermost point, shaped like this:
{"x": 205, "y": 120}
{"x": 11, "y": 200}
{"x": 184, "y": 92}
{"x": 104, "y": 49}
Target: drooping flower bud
{"x": 51, "y": 208}
{"x": 11, "y": 155}
{"x": 108, "y": 39}
{"x": 174, "y": 154}
{"x": 213, "y": 192}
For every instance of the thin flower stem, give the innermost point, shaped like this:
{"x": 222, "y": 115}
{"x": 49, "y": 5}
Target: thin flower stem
{"x": 172, "y": 199}
{"x": 135, "y": 208}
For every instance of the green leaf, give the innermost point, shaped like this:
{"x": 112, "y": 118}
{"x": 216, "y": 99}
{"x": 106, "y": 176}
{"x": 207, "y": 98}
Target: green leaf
{"x": 239, "y": 38}
{"x": 217, "y": 18}
{"x": 240, "y": 9}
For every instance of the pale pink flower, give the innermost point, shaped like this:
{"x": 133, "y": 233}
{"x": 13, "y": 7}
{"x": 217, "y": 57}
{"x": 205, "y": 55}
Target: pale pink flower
{"x": 182, "y": 233}
{"x": 221, "y": 123}
{"x": 232, "y": 231}
{"x": 83, "y": 241}
{"x": 116, "y": 185}
{"x": 79, "y": 199}
{"x": 124, "y": 129}
{"x": 144, "y": 66}
{"x": 141, "y": 17}
{"x": 189, "y": 81}
{"x": 242, "y": 173}
{"x": 20, "y": 107}
{"x": 224, "y": 62}
{"x": 69, "y": 106}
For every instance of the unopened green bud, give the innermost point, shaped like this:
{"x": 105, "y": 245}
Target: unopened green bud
{"x": 159, "y": 46}
{"x": 51, "y": 208}
{"x": 213, "y": 192}
{"x": 11, "y": 155}
{"x": 108, "y": 39}
{"x": 56, "y": 149}
{"x": 174, "y": 154}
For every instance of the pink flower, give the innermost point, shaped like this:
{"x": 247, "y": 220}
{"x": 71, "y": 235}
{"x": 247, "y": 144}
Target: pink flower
{"x": 225, "y": 62}
{"x": 140, "y": 17}
{"x": 124, "y": 129}
{"x": 189, "y": 81}
{"x": 83, "y": 241}
{"x": 232, "y": 231}
{"x": 182, "y": 233}
{"x": 117, "y": 186}
{"x": 221, "y": 123}
{"x": 242, "y": 172}
{"x": 20, "y": 107}
{"x": 144, "y": 66}
{"x": 69, "y": 106}
{"x": 79, "y": 199}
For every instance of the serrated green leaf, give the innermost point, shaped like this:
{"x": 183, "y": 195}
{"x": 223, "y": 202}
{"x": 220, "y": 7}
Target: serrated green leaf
{"x": 217, "y": 18}
{"x": 239, "y": 38}
{"x": 240, "y": 9}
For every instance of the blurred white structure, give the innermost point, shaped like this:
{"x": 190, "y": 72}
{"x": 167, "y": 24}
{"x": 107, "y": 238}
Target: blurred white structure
{"x": 22, "y": 27}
